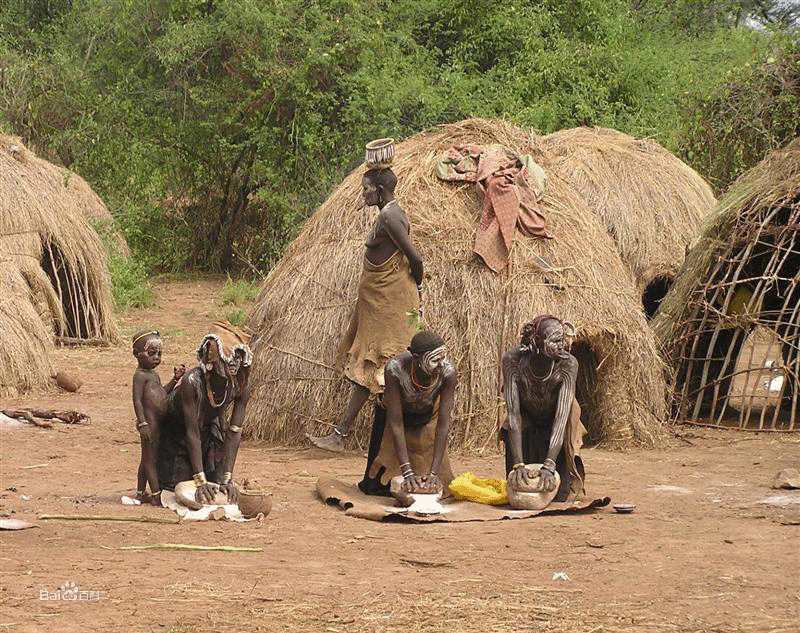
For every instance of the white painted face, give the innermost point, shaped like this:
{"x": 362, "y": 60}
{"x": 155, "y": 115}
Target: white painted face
{"x": 434, "y": 360}
{"x": 553, "y": 344}
{"x": 224, "y": 368}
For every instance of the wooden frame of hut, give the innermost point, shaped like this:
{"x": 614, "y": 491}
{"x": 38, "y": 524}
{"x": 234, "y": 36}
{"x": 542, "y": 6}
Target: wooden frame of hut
{"x": 53, "y": 276}
{"x": 304, "y": 304}
{"x": 730, "y": 326}
{"x": 651, "y": 203}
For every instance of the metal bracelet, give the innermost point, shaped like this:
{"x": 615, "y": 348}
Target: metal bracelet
{"x": 235, "y": 429}
{"x": 226, "y": 477}
{"x": 142, "y": 425}
{"x": 200, "y": 478}
{"x": 550, "y": 465}
{"x": 518, "y": 466}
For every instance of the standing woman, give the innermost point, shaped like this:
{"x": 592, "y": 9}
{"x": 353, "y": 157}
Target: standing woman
{"x": 420, "y": 387}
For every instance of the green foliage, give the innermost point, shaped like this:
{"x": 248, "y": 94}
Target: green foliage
{"x": 755, "y": 110}
{"x": 213, "y": 129}
{"x": 238, "y": 293}
{"x": 237, "y": 316}
{"x": 130, "y": 285}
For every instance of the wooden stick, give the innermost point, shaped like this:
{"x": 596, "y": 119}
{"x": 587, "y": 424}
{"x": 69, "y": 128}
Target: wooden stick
{"x": 71, "y": 341}
{"x": 736, "y": 428}
{"x": 201, "y": 548}
{"x": 104, "y": 517}
{"x": 69, "y": 417}
{"x": 23, "y": 414}
{"x": 308, "y": 360}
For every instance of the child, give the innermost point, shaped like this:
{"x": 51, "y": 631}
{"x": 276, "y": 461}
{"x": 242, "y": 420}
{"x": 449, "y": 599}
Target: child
{"x": 150, "y": 405}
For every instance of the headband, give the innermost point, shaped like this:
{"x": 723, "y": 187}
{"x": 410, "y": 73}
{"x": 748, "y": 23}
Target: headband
{"x": 145, "y": 335}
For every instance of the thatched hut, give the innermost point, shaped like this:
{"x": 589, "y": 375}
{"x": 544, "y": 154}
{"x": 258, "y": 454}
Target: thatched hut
{"x": 304, "y": 304}
{"x": 53, "y": 276}
{"x": 651, "y": 203}
{"x": 731, "y": 323}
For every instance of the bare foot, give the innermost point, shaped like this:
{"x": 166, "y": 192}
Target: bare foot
{"x": 333, "y": 442}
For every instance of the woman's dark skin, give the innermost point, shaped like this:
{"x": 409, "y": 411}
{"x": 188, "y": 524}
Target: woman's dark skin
{"x": 542, "y": 382}
{"x": 389, "y": 234}
{"x": 393, "y": 401}
{"x": 219, "y": 378}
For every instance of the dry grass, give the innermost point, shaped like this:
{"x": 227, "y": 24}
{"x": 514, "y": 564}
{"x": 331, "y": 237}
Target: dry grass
{"x": 650, "y": 202}
{"x": 304, "y": 304}
{"x": 751, "y": 242}
{"x": 53, "y": 277}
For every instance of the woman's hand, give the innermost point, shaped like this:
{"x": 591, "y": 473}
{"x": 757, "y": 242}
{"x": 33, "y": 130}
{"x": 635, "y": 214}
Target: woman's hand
{"x": 432, "y": 484}
{"x": 231, "y": 490}
{"x": 204, "y": 494}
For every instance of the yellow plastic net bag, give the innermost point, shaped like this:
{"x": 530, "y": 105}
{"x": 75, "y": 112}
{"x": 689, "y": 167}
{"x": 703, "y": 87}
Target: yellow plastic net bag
{"x": 471, "y": 488}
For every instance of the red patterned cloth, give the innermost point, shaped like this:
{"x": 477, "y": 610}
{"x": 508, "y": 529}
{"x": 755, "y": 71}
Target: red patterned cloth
{"x": 511, "y": 186}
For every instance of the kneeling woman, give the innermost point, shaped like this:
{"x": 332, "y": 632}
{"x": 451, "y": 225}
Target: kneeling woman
{"x": 420, "y": 385}
{"x": 201, "y": 431}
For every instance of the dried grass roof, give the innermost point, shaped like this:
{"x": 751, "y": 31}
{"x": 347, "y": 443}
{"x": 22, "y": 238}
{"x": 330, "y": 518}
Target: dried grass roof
{"x": 772, "y": 184}
{"x": 752, "y": 240}
{"x": 650, "y": 201}
{"x": 304, "y": 304}
{"x": 53, "y": 276}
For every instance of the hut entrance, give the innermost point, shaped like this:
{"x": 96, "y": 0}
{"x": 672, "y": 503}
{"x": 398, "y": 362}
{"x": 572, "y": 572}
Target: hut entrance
{"x": 655, "y": 291}
{"x": 72, "y": 295}
{"x": 585, "y": 389}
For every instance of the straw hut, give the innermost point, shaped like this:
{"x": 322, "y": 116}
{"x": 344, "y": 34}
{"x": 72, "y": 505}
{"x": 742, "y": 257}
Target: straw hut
{"x": 651, "y": 203}
{"x": 53, "y": 276}
{"x": 730, "y": 325}
{"x": 304, "y": 304}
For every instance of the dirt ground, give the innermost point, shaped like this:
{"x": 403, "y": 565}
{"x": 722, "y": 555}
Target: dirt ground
{"x": 710, "y": 547}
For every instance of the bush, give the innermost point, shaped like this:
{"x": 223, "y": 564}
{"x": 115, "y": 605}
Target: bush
{"x": 238, "y": 293}
{"x": 130, "y": 285}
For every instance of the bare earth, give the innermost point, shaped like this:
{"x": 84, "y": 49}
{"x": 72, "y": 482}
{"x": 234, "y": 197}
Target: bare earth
{"x": 710, "y": 547}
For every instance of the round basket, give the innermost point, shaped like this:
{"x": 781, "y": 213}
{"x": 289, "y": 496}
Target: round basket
{"x": 379, "y": 153}
{"x": 252, "y": 503}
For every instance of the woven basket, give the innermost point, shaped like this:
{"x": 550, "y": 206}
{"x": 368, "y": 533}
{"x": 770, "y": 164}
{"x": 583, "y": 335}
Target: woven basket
{"x": 380, "y": 153}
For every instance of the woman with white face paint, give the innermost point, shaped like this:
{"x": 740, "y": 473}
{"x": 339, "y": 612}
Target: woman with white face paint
{"x": 543, "y": 424}
{"x": 420, "y": 386}
{"x": 203, "y": 425}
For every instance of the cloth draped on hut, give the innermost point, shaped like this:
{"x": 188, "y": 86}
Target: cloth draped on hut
{"x": 380, "y": 326}
{"x": 511, "y": 185}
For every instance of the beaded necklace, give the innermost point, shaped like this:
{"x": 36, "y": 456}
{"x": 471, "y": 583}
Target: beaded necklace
{"x": 419, "y": 387}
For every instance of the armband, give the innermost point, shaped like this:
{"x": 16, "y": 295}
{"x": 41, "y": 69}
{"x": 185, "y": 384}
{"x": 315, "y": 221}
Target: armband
{"x": 200, "y": 478}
